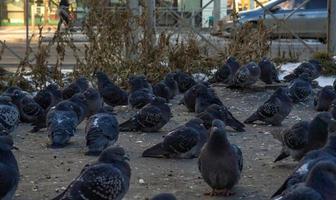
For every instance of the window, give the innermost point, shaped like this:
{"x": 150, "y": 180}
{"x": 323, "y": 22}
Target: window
{"x": 286, "y": 5}
{"x": 317, "y": 4}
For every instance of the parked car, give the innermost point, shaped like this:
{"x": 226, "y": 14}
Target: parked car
{"x": 309, "y": 21}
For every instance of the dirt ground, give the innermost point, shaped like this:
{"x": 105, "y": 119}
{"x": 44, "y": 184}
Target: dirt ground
{"x": 46, "y": 172}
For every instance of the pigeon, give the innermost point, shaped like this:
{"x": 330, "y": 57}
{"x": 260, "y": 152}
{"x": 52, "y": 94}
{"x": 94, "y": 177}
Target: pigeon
{"x": 320, "y": 184}
{"x": 170, "y": 81}
{"x": 215, "y": 111}
{"x": 141, "y": 92}
{"x": 226, "y": 72}
{"x": 30, "y": 111}
{"x": 327, "y": 153}
{"x": 94, "y": 101}
{"x": 9, "y": 170}
{"x": 274, "y": 110}
{"x": 300, "y": 89}
{"x": 102, "y": 130}
{"x": 312, "y": 68}
{"x": 111, "y": 93}
{"x": 78, "y": 86}
{"x": 164, "y": 196}
{"x": 189, "y": 97}
{"x": 81, "y": 106}
{"x": 62, "y": 121}
{"x": 324, "y": 98}
{"x": 11, "y": 90}
{"x": 220, "y": 162}
{"x": 106, "y": 179}
{"x": 9, "y": 114}
{"x": 184, "y": 81}
{"x": 150, "y": 118}
{"x": 48, "y": 97}
{"x": 269, "y": 73}
{"x": 166, "y": 88}
{"x": 246, "y": 76}
{"x": 184, "y": 142}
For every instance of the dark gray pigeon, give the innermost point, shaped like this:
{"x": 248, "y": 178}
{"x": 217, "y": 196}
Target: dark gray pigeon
{"x": 48, "y": 97}
{"x": 184, "y": 142}
{"x": 247, "y": 75}
{"x": 9, "y": 170}
{"x": 327, "y": 153}
{"x": 226, "y": 72}
{"x": 320, "y": 184}
{"x": 171, "y": 83}
{"x": 150, "y": 118}
{"x": 324, "y": 98}
{"x": 30, "y": 111}
{"x": 164, "y": 196}
{"x": 111, "y": 93}
{"x": 274, "y": 110}
{"x": 312, "y": 68}
{"x": 189, "y": 97}
{"x": 62, "y": 121}
{"x": 269, "y": 73}
{"x": 106, "y": 179}
{"x": 81, "y": 106}
{"x": 77, "y": 86}
{"x": 166, "y": 88}
{"x": 304, "y": 137}
{"x": 9, "y": 114}
{"x": 10, "y": 91}
{"x": 300, "y": 88}
{"x": 141, "y": 92}
{"x": 102, "y": 130}
{"x": 215, "y": 111}
{"x": 184, "y": 81}
{"x": 220, "y": 162}
{"x": 94, "y": 101}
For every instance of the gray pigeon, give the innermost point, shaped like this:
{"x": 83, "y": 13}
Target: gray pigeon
{"x": 304, "y": 136}
{"x": 222, "y": 113}
{"x": 247, "y": 75}
{"x": 81, "y": 106}
{"x": 300, "y": 88}
{"x": 30, "y": 111}
{"x": 274, "y": 110}
{"x": 150, "y": 118}
{"x": 9, "y": 114}
{"x": 324, "y": 98}
{"x": 184, "y": 142}
{"x": 226, "y": 72}
{"x": 106, "y": 179}
{"x": 78, "y": 86}
{"x": 184, "y": 81}
{"x": 94, "y": 101}
{"x": 111, "y": 93}
{"x": 164, "y": 196}
{"x": 102, "y": 130}
{"x": 312, "y": 68}
{"x": 269, "y": 73}
{"x": 320, "y": 184}
{"x": 141, "y": 92}
{"x": 62, "y": 121}
{"x": 166, "y": 88}
{"x": 48, "y": 97}
{"x": 189, "y": 97}
{"x": 9, "y": 170}
{"x": 327, "y": 153}
{"x": 220, "y": 162}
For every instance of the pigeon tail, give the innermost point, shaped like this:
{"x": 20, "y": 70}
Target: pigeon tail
{"x": 282, "y": 156}
{"x": 129, "y": 125}
{"x": 236, "y": 125}
{"x": 155, "y": 151}
{"x": 252, "y": 118}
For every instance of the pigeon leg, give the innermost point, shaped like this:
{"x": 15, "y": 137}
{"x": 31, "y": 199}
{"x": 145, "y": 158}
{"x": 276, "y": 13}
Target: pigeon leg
{"x": 223, "y": 192}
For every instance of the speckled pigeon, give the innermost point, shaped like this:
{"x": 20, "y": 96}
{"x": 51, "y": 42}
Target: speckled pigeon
{"x": 247, "y": 75}
{"x": 312, "y": 68}
{"x": 324, "y": 98}
{"x": 48, "y": 97}
{"x": 300, "y": 88}
{"x": 184, "y": 81}
{"x": 226, "y": 72}
{"x": 9, "y": 114}
{"x": 141, "y": 92}
{"x": 269, "y": 73}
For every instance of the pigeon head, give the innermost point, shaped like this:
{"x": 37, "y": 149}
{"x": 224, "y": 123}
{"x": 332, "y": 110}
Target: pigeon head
{"x": 6, "y": 143}
{"x": 59, "y": 138}
{"x": 232, "y": 62}
{"x": 322, "y": 119}
{"x": 82, "y": 83}
{"x": 316, "y": 64}
{"x": 218, "y": 140}
{"x": 9, "y": 91}
{"x": 17, "y": 95}
{"x": 164, "y": 196}
{"x": 254, "y": 69}
{"x": 91, "y": 94}
{"x": 113, "y": 154}
{"x": 200, "y": 89}
{"x": 219, "y": 124}
{"x": 322, "y": 178}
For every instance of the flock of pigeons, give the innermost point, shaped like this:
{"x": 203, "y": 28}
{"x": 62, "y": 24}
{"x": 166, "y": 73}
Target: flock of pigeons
{"x": 220, "y": 163}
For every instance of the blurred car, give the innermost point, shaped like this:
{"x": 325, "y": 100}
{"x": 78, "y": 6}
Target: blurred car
{"x": 309, "y": 21}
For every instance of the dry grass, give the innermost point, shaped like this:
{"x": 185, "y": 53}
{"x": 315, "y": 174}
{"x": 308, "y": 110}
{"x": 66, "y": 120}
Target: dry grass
{"x": 327, "y": 62}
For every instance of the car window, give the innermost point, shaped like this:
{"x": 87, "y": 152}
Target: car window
{"x": 317, "y": 4}
{"x": 291, "y": 5}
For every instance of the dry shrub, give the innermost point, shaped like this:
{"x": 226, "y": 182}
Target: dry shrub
{"x": 251, "y": 42}
{"x": 327, "y": 62}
